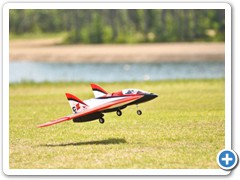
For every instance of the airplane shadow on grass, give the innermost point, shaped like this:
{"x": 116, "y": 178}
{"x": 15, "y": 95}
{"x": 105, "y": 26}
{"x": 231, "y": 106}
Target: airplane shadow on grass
{"x": 100, "y": 142}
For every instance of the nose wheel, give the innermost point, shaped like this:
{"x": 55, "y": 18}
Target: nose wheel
{"x": 119, "y": 113}
{"x": 101, "y": 120}
{"x": 139, "y": 112}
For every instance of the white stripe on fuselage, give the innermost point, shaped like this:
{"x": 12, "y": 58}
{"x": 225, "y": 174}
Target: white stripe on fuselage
{"x": 97, "y": 102}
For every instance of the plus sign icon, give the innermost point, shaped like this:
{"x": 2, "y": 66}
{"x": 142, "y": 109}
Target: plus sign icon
{"x": 227, "y": 159}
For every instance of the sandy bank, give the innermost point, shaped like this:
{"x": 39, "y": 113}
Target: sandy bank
{"x": 49, "y": 51}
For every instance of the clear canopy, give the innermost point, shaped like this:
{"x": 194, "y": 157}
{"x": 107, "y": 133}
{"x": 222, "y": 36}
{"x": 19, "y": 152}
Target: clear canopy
{"x": 134, "y": 91}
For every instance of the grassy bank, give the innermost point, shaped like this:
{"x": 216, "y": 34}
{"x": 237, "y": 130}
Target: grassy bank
{"x": 182, "y": 128}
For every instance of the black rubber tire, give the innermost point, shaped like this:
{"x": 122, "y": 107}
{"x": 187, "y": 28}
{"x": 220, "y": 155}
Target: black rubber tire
{"x": 119, "y": 113}
{"x": 139, "y": 112}
{"x": 101, "y": 120}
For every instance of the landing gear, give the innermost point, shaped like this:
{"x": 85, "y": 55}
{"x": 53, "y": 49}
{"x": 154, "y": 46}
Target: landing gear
{"x": 119, "y": 113}
{"x": 101, "y": 120}
{"x": 139, "y": 112}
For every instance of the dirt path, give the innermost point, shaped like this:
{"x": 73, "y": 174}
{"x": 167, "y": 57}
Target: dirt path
{"x": 47, "y": 50}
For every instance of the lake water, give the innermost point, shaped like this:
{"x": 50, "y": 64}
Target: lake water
{"x": 110, "y": 72}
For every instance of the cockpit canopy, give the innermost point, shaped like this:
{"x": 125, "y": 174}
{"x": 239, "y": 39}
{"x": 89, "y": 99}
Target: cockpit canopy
{"x": 133, "y": 91}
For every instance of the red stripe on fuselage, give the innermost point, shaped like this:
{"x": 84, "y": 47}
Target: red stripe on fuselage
{"x": 105, "y": 106}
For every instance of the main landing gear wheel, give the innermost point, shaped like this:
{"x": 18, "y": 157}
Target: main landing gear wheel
{"x": 139, "y": 112}
{"x": 119, "y": 113}
{"x": 101, "y": 120}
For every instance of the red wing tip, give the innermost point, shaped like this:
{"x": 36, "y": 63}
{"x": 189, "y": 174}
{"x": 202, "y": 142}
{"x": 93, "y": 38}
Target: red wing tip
{"x": 44, "y": 125}
{"x": 54, "y": 122}
{"x": 41, "y": 125}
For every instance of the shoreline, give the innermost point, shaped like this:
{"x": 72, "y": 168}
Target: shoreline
{"x": 49, "y": 50}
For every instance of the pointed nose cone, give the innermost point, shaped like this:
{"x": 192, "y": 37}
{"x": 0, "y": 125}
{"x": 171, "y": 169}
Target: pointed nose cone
{"x": 152, "y": 96}
{"x": 148, "y": 97}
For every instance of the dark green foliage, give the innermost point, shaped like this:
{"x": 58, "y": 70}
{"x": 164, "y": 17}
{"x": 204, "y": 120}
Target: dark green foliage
{"x": 123, "y": 26}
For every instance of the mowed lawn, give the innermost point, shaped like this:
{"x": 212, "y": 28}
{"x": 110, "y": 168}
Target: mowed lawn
{"x": 182, "y": 128}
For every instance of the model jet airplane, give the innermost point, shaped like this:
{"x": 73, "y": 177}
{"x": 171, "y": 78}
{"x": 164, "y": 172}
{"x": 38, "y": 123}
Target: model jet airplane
{"x": 93, "y": 109}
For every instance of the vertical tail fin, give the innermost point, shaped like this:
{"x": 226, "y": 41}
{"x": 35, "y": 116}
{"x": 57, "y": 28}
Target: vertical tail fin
{"x": 98, "y": 91}
{"x": 75, "y": 103}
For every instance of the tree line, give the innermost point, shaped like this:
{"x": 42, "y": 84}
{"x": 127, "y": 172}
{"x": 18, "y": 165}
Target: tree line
{"x": 122, "y": 25}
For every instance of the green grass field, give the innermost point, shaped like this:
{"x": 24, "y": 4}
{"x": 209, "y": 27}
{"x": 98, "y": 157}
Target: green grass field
{"x": 182, "y": 128}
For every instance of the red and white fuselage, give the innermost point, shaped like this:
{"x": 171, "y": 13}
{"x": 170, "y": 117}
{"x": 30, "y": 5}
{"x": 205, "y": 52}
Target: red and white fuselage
{"x": 93, "y": 109}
